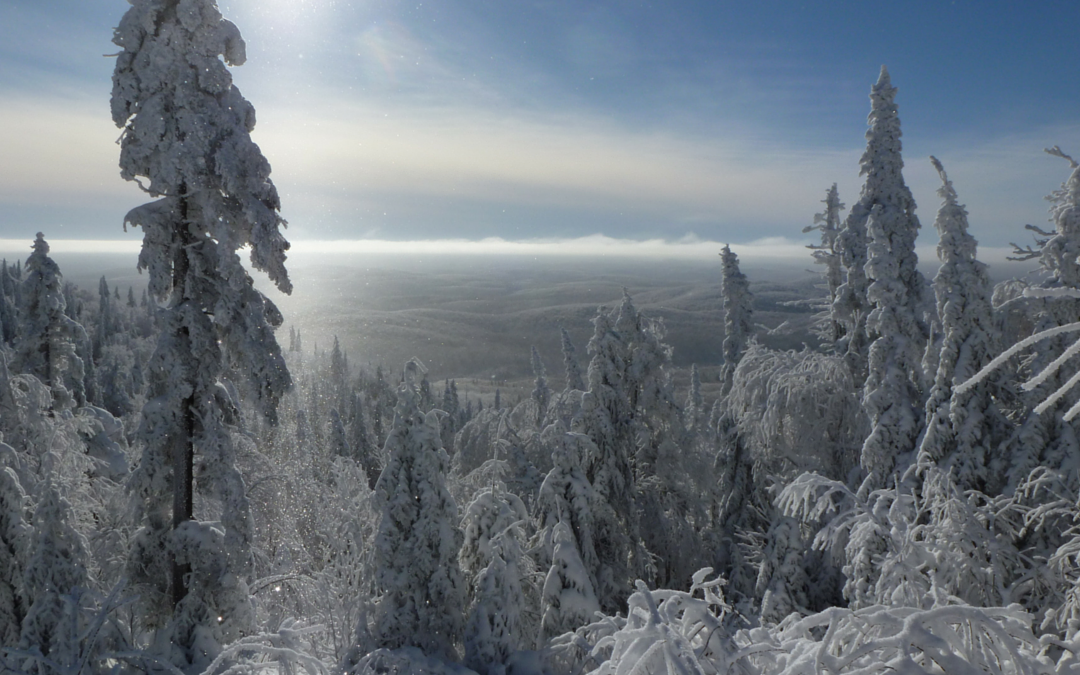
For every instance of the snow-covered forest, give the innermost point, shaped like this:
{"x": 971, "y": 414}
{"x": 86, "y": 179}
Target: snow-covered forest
{"x": 180, "y": 494}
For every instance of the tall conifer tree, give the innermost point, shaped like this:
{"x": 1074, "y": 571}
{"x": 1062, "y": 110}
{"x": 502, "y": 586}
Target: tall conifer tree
{"x": 422, "y": 590}
{"x": 829, "y": 254}
{"x": 47, "y": 336}
{"x": 738, "y": 314}
{"x": 187, "y": 141}
{"x": 1047, "y": 440}
{"x": 962, "y": 430}
{"x": 895, "y": 325}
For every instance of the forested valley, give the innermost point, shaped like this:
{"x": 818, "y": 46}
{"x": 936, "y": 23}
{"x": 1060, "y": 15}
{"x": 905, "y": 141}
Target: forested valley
{"x": 181, "y": 494}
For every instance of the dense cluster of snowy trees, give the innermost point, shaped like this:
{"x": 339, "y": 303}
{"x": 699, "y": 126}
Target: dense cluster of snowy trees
{"x": 177, "y": 494}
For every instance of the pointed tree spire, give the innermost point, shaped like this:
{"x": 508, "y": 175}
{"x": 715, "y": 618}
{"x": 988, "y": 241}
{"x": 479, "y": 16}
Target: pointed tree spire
{"x": 882, "y": 165}
{"x": 829, "y": 254}
{"x": 895, "y": 325}
{"x": 961, "y": 429}
{"x": 738, "y": 314}
{"x": 574, "y": 380}
{"x": 541, "y": 394}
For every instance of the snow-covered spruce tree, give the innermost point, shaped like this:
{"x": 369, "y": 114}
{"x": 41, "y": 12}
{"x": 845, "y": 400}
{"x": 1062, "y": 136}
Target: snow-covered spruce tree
{"x": 15, "y": 540}
{"x": 363, "y": 451}
{"x": 738, "y": 314}
{"x": 492, "y": 512}
{"x": 103, "y": 330}
{"x": 895, "y": 325}
{"x": 339, "y": 376}
{"x": 420, "y": 585}
{"x": 694, "y": 409}
{"x": 541, "y": 394}
{"x": 56, "y": 581}
{"x": 892, "y": 397}
{"x": 882, "y": 165}
{"x": 7, "y": 305}
{"x": 566, "y": 496}
{"x": 1046, "y": 440}
{"x": 962, "y": 430}
{"x": 782, "y": 583}
{"x": 829, "y": 254}
{"x": 630, "y": 415}
{"x": 337, "y": 440}
{"x": 611, "y": 422}
{"x": 187, "y": 135}
{"x": 736, "y": 504}
{"x": 494, "y": 629}
{"x": 45, "y": 347}
{"x": 574, "y": 380}
{"x": 628, "y": 375}
{"x": 1059, "y": 250}
{"x": 502, "y": 614}
{"x": 851, "y": 306}
{"x": 569, "y": 600}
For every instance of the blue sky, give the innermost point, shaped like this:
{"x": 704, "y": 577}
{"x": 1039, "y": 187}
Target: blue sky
{"x": 679, "y": 121}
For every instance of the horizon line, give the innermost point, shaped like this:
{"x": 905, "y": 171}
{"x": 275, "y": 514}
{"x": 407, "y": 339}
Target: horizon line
{"x": 595, "y": 245}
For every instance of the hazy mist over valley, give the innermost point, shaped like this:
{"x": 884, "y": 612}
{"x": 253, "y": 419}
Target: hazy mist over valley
{"x": 475, "y": 317}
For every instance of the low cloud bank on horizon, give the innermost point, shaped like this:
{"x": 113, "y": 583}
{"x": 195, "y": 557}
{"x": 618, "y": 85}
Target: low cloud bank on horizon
{"x": 351, "y": 170}
{"x": 765, "y": 250}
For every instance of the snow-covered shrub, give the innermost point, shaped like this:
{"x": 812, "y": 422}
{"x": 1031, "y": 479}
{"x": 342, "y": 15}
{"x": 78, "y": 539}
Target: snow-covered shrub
{"x": 905, "y": 548}
{"x": 667, "y": 632}
{"x": 405, "y": 661}
{"x": 282, "y": 651}
{"x": 796, "y": 412}
{"x": 953, "y": 639}
{"x": 863, "y": 534}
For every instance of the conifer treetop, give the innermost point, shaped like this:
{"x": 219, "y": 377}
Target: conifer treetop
{"x": 881, "y": 162}
{"x": 187, "y": 133}
{"x": 951, "y": 222}
{"x": 738, "y": 312}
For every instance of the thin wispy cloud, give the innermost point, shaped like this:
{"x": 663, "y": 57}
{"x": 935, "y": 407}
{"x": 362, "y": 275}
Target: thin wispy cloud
{"x": 401, "y": 121}
{"x": 58, "y": 150}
